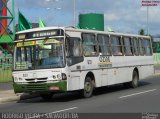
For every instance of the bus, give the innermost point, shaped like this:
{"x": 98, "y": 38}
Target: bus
{"x": 61, "y": 59}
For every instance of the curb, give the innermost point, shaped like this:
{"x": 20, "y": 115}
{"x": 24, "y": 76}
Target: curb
{"x": 9, "y": 99}
{"x": 18, "y": 98}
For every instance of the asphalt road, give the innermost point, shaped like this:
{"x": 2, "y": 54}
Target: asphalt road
{"x": 112, "y": 99}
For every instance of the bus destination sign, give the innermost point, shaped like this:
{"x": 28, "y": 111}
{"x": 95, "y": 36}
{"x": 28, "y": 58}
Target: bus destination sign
{"x": 40, "y": 34}
{"x": 44, "y": 34}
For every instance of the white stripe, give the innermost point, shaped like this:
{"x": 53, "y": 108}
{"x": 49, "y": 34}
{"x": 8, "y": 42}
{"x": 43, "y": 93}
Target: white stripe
{"x": 138, "y": 93}
{"x": 53, "y": 112}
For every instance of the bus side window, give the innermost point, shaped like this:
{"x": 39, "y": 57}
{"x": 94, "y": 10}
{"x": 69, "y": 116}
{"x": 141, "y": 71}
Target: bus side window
{"x": 127, "y": 46}
{"x": 73, "y": 47}
{"x": 89, "y": 44}
{"x": 73, "y": 50}
{"x": 104, "y": 44}
{"x": 116, "y": 45}
{"x": 147, "y": 47}
{"x": 141, "y": 47}
{"x": 136, "y": 48}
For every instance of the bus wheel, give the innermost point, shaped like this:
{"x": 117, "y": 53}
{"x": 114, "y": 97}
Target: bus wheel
{"x": 46, "y": 97}
{"x": 88, "y": 87}
{"x": 135, "y": 79}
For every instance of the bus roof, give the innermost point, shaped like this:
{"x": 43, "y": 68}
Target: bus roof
{"x": 82, "y": 30}
{"x": 39, "y": 29}
{"x": 105, "y": 32}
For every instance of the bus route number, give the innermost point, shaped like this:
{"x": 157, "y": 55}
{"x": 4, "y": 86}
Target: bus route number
{"x": 104, "y": 59}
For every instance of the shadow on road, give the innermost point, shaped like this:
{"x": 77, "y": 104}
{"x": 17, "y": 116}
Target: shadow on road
{"x": 61, "y": 97}
{"x": 117, "y": 88}
{"x": 71, "y": 96}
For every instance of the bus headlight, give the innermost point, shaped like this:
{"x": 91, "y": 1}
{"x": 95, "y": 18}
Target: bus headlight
{"x": 20, "y": 79}
{"x": 15, "y": 79}
{"x": 54, "y": 77}
{"x": 64, "y": 76}
{"x": 59, "y": 76}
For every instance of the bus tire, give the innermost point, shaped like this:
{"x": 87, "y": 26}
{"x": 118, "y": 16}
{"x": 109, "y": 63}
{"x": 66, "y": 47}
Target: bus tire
{"x": 46, "y": 97}
{"x": 88, "y": 87}
{"x": 135, "y": 79}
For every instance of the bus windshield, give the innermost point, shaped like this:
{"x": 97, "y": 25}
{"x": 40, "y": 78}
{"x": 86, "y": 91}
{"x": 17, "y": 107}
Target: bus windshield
{"x": 39, "y": 54}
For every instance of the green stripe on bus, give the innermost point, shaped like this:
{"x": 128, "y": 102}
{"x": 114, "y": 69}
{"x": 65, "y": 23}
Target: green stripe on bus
{"x": 19, "y": 88}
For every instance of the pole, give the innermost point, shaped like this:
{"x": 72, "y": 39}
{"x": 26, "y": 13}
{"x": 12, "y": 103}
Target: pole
{"x": 13, "y": 17}
{"x": 147, "y": 20}
{"x": 74, "y": 13}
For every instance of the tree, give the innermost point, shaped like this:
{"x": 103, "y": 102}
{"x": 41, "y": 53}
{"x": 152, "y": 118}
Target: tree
{"x": 141, "y": 32}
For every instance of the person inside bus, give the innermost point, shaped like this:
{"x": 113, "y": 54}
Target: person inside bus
{"x": 118, "y": 53}
{"x": 116, "y": 50}
{"x": 104, "y": 50}
{"x": 89, "y": 50}
{"x": 51, "y": 59}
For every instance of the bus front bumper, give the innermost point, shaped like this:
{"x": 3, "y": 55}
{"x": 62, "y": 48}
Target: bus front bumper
{"x": 39, "y": 87}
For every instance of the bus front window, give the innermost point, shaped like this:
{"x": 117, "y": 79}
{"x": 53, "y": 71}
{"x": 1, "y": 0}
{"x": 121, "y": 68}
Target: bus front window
{"x": 43, "y": 54}
{"x": 24, "y": 58}
{"x": 50, "y": 55}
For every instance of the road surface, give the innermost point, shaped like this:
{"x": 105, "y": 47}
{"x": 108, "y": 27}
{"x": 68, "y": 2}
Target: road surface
{"x": 112, "y": 99}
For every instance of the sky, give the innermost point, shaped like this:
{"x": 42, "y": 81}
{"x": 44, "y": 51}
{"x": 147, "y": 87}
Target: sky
{"x": 127, "y": 16}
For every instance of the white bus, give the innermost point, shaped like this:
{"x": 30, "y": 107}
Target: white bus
{"x": 58, "y": 59}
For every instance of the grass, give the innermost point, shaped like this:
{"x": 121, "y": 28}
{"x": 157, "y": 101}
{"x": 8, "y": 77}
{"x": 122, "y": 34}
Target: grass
{"x": 156, "y": 64}
{"x": 5, "y": 75}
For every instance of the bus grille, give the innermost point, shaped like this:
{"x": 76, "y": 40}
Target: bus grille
{"x": 36, "y": 87}
{"x": 36, "y": 80}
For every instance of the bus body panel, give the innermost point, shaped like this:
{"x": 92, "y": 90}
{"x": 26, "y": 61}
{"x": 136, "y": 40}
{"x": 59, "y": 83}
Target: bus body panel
{"x": 73, "y": 80}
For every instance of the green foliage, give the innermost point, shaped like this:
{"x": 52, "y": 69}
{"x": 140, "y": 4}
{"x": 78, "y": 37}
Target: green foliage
{"x": 6, "y": 65}
{"x": 141, "y": 32}
{"x": 5, "y": 75}
{"x": 156, "y": 47}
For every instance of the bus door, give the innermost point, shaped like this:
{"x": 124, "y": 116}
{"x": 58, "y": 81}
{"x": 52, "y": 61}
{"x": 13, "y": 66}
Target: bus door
{"x": 74, "y": 58}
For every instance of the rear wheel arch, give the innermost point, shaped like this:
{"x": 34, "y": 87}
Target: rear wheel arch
{"x": 89, "y": 84}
